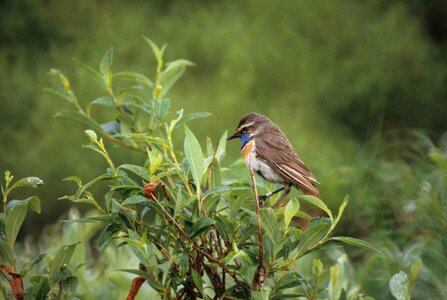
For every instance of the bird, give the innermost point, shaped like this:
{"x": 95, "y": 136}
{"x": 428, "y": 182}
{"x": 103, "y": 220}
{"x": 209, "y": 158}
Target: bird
{"x": 269, "y": 153}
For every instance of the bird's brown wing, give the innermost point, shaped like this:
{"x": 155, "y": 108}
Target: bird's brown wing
{"x": 276, "y": 151}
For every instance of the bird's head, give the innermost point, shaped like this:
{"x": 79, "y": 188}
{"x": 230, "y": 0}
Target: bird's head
{"x": 249, "y": 126}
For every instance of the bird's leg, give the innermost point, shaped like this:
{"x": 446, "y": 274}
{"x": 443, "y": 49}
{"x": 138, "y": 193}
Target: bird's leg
{"x": 262, "y": 198}
{"x": 286, "y": 189}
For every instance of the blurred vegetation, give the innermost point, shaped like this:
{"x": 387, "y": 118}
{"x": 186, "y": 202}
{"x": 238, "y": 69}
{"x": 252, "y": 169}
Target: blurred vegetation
{"x": 347, "y": 82}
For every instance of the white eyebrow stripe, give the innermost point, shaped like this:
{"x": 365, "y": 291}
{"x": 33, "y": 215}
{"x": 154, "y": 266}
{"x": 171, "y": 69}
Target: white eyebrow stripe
{"x": 246, "y": 125}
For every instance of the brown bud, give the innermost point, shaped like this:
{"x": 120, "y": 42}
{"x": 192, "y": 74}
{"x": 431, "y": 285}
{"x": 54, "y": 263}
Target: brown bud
{"x": 150, "y": 190}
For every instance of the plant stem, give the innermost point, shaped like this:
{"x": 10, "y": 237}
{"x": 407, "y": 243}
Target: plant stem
{"x": 261, "y": 272}
{"x": 194, "y": 245}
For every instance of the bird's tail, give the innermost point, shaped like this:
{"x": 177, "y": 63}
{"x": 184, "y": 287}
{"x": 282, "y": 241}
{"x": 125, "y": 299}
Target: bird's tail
{"x": 312, "y": 191}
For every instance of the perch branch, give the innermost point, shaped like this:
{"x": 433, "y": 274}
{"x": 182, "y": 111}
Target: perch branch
{"x": 260, "y": 272}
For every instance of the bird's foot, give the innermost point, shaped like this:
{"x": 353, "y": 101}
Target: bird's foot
{"x": 262, "y": 199}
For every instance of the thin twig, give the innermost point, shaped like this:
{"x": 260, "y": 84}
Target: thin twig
{"x": 259, "y": 279}
{"x": 194, "y": 245}
{"x": 137, "y": 282}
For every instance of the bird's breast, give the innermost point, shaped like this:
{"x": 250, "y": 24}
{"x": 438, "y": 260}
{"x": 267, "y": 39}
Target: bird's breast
{"x": 260, "y": 167}
{"x": 248, "y": 150}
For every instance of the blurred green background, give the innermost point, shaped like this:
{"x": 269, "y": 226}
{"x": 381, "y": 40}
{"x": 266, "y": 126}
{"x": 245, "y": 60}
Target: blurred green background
{"x": 359, "y": 87}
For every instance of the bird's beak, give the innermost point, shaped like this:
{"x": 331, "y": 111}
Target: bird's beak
{"x": 234, "y": 135}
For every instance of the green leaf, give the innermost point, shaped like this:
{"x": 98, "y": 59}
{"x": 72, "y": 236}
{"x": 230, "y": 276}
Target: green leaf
{"x": 27, "y": 181}
{"x": 270, "y": 224}
{"x": 355, "y": 242}
{"x": 415, "y": 268}
{"x": 289, "y": 280}
{"x": 14, "y": 220}
{"x": 179, "y": 63}
{"x": 62, "y": 257}
{"x": 399, "y": 285}
{"x": 439, "y": 158}
{"x": 293, "y": 206}
{"x": 151, "y": 281}
{"x": 200, "y": 226}
{"x": 223, "y": 189}
{"x": 104, "y": 101}
{"x": 341, "y": 209}
{"x": 138, "y": 170}
{"x": 220, "y": 151}
{"x": 111, "y": 229}
{"x": 260, "y": 295}
{"x": 6, "y": 252}
{"x": 194, "y": 156}
{"x": 155, "y": 49}
{"x": 171, "y": 74}
{"x": 60, "y": 92}
{"x": 197, "y": 279}
{"x": 162, "y": 107}
{"x": 318, "y": 203}
{"x": 135, "y": 199}
{"x": 79, "y": 117}
{"x": 42, "y": 288}
{"x": 312, "y": 236}
{"x": 135, "y": 77}
{"x": 105, "y": 67}
{"x": 34, "y": 263}
{"x": 192, "y": 116}
{"x": 63, "y": 81}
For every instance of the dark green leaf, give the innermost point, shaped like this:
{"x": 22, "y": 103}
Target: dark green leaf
{"x": 42, "y": 288}
{"x": 135, "y": 199}
{"x": 34, "y": 263}
{"x": 197, "y": 279}
{"x": 111, "y": 229}
{"x": 14, "y": 220}
{"x": 62, "y": 257}
{"x": 270, "y": 224}
{"x": 151, "y": 281}
{"x": 200, "y": 226}
{"x": 312, "y": 236}
{"x": 289, "y": 280}
{"x": 6, "y": 253}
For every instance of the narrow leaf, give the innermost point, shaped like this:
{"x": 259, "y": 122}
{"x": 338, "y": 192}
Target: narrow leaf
{"x": 79, "y": 117}
{"x": 312, "y": 236}
{"x": 292, "y": 208}
{"x": 317, "y": 202}
{"x": 200, "y": 226}
{"x": 138, "y": 170}
{"x": 355, "y": 242}
{"x": 194, "y": 156}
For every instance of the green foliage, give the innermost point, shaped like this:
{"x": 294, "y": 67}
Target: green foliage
{"x": 188, "y": 233}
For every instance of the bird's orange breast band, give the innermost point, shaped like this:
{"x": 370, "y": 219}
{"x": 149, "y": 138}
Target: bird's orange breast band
{"x": 247, "y": 149}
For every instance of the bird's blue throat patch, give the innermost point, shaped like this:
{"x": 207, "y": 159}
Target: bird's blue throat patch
{"x": 245, "y": 138}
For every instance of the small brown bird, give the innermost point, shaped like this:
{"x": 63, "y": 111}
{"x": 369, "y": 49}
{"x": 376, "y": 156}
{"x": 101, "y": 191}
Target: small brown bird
{"x": 269, "y": 153}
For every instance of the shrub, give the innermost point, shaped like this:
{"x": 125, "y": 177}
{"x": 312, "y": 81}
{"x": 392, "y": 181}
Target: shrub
{"x": 190, "y": 223}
